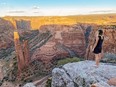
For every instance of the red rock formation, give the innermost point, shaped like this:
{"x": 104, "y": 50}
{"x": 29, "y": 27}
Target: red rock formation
{"x": 74, "y": 40}
{"x": 22, "y": 52}
{"x": 66, "y": 41}
{"x": 19, "y": 52}
{"x": 26, "y": 52}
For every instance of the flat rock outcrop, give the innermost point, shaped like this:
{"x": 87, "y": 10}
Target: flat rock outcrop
{"x": 83, "y": 74}
{"x": 29, "y": 85}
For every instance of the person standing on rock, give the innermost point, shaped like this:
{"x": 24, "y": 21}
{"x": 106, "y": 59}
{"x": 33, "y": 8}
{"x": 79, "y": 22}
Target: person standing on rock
{"x": 97, "y": 47}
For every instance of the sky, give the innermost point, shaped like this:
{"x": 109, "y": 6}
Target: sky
{"x": 55, "y": 7}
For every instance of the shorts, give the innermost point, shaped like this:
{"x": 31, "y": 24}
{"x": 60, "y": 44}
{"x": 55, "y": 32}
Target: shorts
{"x": 97, "y": 50}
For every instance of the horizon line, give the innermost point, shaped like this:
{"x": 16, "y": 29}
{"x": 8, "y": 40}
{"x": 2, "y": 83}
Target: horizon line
{"x": 58, "y": 15}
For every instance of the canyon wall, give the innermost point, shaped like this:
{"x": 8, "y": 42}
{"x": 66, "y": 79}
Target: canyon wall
{"x": 6, "y": 33}
{"x": 6, "y": 37}
{"x": 66, "y": 41}
{"x": 39, "y": 50}
{"x": 74, "y": 40}
{"x": 54, "y": 42}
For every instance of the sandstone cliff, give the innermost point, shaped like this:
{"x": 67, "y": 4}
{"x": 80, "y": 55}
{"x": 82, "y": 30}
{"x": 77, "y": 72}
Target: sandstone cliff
{"x": 54, "y": 42}
{"x": 43, "y": 47}
{"x": 83, "y": 74}
{"x": 38, "y": 21}
{"x": 72, "y": 40}
{"x": 65, "y": 41}
{"x": 6, "y": 33}
{"x": 6, "y": 37}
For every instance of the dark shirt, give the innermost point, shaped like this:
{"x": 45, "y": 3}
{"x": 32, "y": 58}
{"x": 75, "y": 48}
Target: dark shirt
{"x": 100, "y": 42}
{"x": 98, "y": 48}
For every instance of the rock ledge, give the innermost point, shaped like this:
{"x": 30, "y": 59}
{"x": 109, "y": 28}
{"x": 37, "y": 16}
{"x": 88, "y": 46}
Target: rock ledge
{"x": 83, "y": 74}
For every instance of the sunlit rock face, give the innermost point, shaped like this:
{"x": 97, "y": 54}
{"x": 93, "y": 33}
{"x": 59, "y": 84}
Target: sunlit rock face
{"x": 6, "y": 35}
{"x": 72, "y": 40}
{"x": 65, "y": 41}
{"x": 84, "y": 74}
{"x": 54, "y": 42}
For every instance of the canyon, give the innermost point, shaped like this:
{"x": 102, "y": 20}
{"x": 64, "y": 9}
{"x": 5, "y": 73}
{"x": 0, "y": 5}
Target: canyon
{"x": 39, "y": 46}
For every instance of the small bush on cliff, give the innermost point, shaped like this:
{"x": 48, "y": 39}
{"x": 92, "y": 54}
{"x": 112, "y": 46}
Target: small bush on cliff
{"x": 68, "y": 60}
{"x": 48, "y": 83}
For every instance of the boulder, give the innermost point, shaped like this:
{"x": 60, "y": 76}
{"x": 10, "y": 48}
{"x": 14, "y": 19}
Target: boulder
{"x": 29, "y": 85}
{"x": 83, "y": 74}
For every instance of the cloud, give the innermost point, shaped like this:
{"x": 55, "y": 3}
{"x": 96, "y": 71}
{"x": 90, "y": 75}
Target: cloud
{"x": 104, "y": 11}
{"x": 16, "y": 11}
{"x": 35, "y": 7}
{"x": 36, "y": 12}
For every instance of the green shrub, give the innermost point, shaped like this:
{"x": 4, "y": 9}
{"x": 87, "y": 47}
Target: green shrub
{"x": 48, "y": 83}
{"x": 68, "y": 60}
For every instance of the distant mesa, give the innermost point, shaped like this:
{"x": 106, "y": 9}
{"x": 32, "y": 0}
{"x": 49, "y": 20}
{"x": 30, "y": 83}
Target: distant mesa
{"x": 35, "y": 22}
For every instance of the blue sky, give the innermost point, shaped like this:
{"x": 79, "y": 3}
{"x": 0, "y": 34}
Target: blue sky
{"x": 55, "y": 7}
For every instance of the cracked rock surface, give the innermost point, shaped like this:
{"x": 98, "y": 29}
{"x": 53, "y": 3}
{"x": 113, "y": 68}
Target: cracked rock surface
{"x": 83, "y": 74}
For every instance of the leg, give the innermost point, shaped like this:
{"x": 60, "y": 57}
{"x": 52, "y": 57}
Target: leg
{"x": 100, "y": 56}
{"x": 97, "y": 59}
